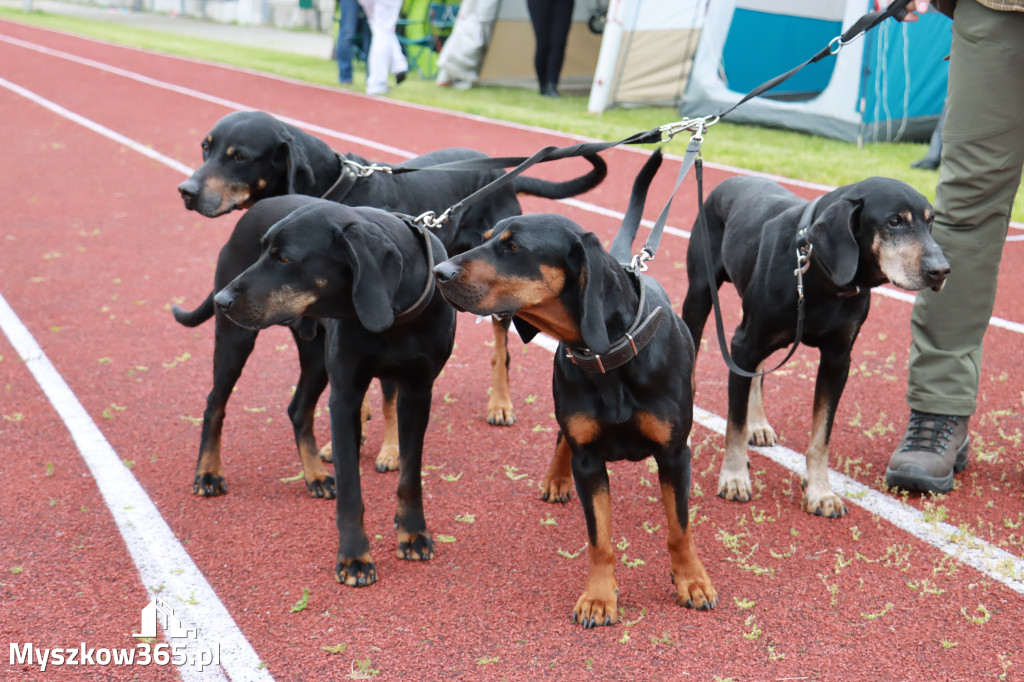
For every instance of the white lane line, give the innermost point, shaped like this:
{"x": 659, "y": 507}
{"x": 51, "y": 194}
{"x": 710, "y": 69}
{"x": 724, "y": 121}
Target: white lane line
{"x": 938, "y": 535}
{"x": 164, "y": 566}
{"x": 997, "y": 563}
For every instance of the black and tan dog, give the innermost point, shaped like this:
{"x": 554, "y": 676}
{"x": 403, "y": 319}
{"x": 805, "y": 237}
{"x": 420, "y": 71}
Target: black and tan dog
{"x": 854, "y": 238}
{"x": 622, "y": 376}
{"x": 248, "y": 156}
{"x": 367, "y": 274}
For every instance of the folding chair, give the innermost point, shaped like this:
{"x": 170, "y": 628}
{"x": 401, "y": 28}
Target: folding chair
{"x": 422, "y": 38}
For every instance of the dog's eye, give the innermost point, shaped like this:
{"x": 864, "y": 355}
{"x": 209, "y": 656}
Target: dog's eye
{"x": 206, "y": 149}
{"x": 511, "y": 245}
{"x": 238, "y": 156}
{"x": 895, "y": 221}
{"x": 283, "y": 259}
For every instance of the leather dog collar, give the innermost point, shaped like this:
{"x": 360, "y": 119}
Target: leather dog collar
{"x": 805, "y": 248}
{"x": 628, "y": 346}
{"x": 423, "y": 301}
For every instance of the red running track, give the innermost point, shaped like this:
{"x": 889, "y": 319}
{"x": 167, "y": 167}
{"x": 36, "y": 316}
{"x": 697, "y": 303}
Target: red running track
{"x": 97, "y": 247}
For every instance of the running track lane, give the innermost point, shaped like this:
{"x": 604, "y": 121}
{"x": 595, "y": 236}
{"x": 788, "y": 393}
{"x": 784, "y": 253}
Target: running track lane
{"x": 725, "y": 518}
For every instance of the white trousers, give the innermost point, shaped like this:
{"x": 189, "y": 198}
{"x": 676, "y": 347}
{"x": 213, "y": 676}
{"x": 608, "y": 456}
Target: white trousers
{"x": 385, "y": 55}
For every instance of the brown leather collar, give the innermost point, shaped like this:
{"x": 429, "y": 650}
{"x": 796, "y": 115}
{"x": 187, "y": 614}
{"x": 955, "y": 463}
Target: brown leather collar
{"x": 343, "y": 185}
{"x": 423, "y": 301}
{"x": 628, "y": 346}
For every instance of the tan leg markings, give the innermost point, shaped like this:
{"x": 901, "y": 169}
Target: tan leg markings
{"x": 761, "y": 432}
{"x": 327, "y": 451}
{"x": 557, "y": 484}
{"x": 209, "y": 465}
{"x": 693, "y": 586}
{"x": 347, "y": 573}
{"x": 820, "y": 498}
{"x": 499, "y": 406}
{"x": 598, "y": 605}
{"x": 387, "y": 458}
{"x": 734, "y": 478}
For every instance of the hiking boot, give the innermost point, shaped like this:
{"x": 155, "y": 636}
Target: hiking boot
{"x": 932, "y": 450}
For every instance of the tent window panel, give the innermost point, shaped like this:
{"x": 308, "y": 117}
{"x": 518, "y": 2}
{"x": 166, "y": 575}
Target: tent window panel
{"x": 761, "y": 45}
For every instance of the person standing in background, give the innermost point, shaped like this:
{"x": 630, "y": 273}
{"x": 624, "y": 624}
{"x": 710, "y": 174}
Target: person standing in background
{"x": 343, "y": 51}
{"x": 551, "y": 20}
{"x": 385, "y": 55}
{"x": 982, "y": 158}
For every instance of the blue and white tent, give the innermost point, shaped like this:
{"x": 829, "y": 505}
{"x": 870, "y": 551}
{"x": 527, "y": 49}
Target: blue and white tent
{"x": 887, "y": 85}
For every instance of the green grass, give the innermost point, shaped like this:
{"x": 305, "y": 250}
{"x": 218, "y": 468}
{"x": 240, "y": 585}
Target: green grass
{"x": 786, "y": 153}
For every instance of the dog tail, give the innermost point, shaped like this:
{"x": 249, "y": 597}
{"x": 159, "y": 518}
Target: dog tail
{"x": 622, "y": 246}
{"x": 194, "y": 318}
{"x": 570, "y": 188}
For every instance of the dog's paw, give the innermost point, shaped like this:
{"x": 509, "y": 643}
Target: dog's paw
{"x": 358, "y": 572}
{"x": 556, "y": 489}
{"x": 327, "y": 453}
{"x": 595, "y": 611}
{"x": 828, "y": 505}
{"x": 500, "y": 413}
{"x": 696, "y": 593}
{"x": 762, "y": 434}
{"x": 387, "y": 458}
{"x": 736, "y": 488}
{"x": 415, "y": 546}
{"x": 209, "y": 485}
{"x": 322, "y": 488}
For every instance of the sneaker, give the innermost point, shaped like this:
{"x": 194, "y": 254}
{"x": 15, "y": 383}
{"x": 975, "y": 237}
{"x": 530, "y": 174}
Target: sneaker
{"x": 934, "y": 447}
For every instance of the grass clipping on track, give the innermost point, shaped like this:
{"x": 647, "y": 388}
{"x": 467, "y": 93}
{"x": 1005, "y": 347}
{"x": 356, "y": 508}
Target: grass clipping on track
{"x": 786, "y": 153}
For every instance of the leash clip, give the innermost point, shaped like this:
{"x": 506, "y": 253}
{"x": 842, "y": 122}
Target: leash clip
{"x": 639, "y": 262}
{"x": 803, "y": 263}
{"x": 698, "y": 125}
{"x": 431, "y": 220}
{"x": 361, "y": 171}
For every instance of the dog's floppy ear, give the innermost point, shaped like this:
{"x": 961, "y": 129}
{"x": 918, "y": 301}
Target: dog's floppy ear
{"x": 585, "y": 258}
{"x": 376, "y": 264}
{"x": 834, "y": 241}
{"x": 292, "y": 156}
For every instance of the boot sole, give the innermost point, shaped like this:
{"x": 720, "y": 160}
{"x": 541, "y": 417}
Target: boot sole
{"x": 918, "y": 481}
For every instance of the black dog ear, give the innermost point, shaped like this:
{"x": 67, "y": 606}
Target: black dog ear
{"x": 834, "y": 240}
{"x": 292, "y": 155}
{"x": 525, "y": 330}
{"x": 586, "y": 256}
{"x": 376, "y": 264}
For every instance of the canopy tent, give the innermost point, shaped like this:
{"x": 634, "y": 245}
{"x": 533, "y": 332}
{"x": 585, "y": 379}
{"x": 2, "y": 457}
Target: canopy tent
{"x": 889, "y": 85}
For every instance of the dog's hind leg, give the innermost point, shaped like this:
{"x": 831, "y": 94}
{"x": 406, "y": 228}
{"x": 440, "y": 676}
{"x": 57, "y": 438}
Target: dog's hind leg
{"x": 389, "y": 455}
{"x": 761, "y": 432}
{"x": 828, "y": 387}
{"x": 232, "y": 347}
{"x": 499, "y": 405}
{"x": 557, "y": 482}
{"x": 311, "y": 385}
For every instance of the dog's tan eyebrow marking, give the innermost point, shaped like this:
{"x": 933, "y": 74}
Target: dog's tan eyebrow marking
{"x": 229, "y": 151}
{"x": 907, "y": 216}
{"x": 505, "y": 236}
{"x": 209, "y": 138}
{"x": 488, "y": 234}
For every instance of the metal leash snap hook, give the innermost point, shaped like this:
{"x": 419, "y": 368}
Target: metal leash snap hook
{"x": 639, "y": 262}
{"x": 835, "y": 45}
{"x": 431, "y": 220}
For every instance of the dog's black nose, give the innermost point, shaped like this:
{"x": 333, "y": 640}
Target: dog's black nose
{"x": 189, "y": 189}
{"x": 446, "y": 271}
{"x": 223, "y": 300}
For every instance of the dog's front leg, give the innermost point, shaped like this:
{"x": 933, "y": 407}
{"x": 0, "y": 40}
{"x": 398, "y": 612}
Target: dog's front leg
{"x": 414, "y": 541}
{"x": 693, "y": 586}
{"x": 354, "y": 564}
{"x": 828, "y": 388}
{"x": 312, "y": 382}
{"x": 598, "y": 605}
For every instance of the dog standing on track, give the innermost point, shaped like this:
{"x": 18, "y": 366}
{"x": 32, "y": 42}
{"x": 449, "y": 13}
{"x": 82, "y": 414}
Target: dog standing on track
{"x": 367, "y": 274}
{"x": 622, "y": 376}
{"x": 250, "y": 155}
{"x": 852, "y": 239}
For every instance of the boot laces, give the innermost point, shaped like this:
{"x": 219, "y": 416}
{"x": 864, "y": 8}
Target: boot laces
{"x": 929, "y": 432}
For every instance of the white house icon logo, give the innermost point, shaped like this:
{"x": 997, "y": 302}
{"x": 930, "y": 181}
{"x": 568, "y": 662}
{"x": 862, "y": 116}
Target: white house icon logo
{"x": 172, "y": 626}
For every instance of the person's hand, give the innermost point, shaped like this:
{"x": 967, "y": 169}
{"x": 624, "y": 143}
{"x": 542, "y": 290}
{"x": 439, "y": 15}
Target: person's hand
{"x": 915, "y": 8}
